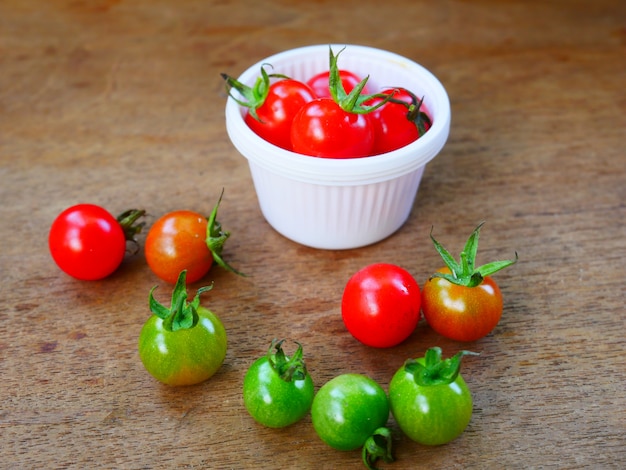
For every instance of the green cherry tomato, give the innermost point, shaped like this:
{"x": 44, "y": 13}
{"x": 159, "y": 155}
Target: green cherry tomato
{"x": 277, "y": 389}
{"x": 185, "y": 344}
{"x": 429, "y": 400}
{"x": 348, "y": 409}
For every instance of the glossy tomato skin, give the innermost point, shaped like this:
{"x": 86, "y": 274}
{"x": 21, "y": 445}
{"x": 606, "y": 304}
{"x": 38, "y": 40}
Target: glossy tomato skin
{"x": 433, "y": 414}
{"x": 185, "y": 356}
{"x": 284, "y": 100}
{"x": 380, "y": 305}
{"x": 272, "y": 401}
{"x": 322, "y": 129}
{"x": 177, "y": 242}
{"x": 348, "y": 409}
{"x": 392, "y": 127}
{"x": 319, "y": 83}
{"x": 87, "y": 242}
{"x": 461, "y": 313}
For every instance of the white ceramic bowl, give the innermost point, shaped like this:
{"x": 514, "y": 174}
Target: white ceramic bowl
{"x": 341, "y": 203}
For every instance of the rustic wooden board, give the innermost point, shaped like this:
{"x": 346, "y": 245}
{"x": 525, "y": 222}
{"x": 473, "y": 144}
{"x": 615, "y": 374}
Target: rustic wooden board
{"x": 120, "y": 103}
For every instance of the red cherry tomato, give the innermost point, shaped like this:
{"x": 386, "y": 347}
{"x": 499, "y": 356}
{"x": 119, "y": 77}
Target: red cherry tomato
{"x": 283, "y": 101}
{"x": 319, "y": 83}
{"x": 87, "y": 242}
{"x": 381, "y": 305}
{"x": 322, "y": 129}
{"x": 394, "y": 125}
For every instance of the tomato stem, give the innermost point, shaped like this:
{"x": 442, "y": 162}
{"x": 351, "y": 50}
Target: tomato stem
{"x": 417, "y": 116}
{"x": 127, "y": 221}
{"x": 288, "y": 369}
{"x": 352, "y": 102}
{"x": 216, "y": 237}
{"x": 254, "y": 96}
{"x": 378, "y": 446}
{"x": 465, "y": 273}
{"x": 181, "y": 314}
{"x": 434, "y": 370}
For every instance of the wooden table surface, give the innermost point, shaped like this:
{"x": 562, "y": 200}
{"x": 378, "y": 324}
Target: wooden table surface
{"x": 120, "y": 103}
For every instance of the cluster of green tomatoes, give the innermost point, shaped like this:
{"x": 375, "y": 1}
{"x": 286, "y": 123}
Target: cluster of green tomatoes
{"x": 428, "y": 398}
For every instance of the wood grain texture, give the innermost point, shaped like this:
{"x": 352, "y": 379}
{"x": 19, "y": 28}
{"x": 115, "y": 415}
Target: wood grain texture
{"x": 120, "y": 103}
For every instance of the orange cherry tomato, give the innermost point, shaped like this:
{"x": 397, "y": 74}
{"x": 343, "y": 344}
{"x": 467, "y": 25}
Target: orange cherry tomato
{"x": 177, "y": 242}
{"x": 185, "y": 240}
{"x": 459, "y": 312}
{"x": 461, "y": 301}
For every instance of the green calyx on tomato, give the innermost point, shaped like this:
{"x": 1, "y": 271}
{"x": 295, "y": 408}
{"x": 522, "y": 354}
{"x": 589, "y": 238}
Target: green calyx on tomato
{"x": 353, "y": 102}
{"x": 216, "y": 237}
{"x": 434, "y": 370}
{"x": 378, "y": 446}
{"x": 127, "y": 221}
{"x": 288, "y": 368}
{"x": 415, "y": 112}
{"x": 181, "y": 314}
{"x": 254, "y": 96}
{"x": 464, "y": 273}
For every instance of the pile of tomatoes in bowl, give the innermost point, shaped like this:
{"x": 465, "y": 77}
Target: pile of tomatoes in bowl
{"x": 332, "y": 114}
